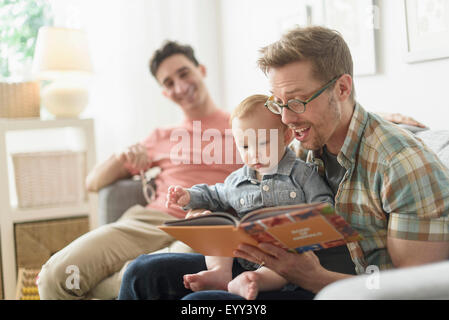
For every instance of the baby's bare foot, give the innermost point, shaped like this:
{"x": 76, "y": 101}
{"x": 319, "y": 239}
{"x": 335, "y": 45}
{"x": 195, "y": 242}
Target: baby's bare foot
{"x": 245, "y": 285}
{"x": 207, "y": 280}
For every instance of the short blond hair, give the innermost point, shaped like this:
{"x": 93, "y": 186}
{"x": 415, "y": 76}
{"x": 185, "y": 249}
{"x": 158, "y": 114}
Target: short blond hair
{"x": 250, "y": 106}
{"x": 324, "y": 48}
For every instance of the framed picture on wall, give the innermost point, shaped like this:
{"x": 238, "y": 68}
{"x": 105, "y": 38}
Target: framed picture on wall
{"x": 308, "y": 12}
{"x": 427, "y": 30}
{"x": 356, "y": 20}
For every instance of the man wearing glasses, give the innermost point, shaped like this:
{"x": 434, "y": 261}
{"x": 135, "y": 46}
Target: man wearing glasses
{"x": 389, "y": 186}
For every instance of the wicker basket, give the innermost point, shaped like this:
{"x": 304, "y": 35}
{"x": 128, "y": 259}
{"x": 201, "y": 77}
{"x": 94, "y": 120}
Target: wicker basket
{"x": 49, "y": 178}
{"x": 19, "y": 99}
{"x": 37, "y": 241}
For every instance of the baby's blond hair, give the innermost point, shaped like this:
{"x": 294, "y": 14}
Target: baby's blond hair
{"x": 249, "y": 106}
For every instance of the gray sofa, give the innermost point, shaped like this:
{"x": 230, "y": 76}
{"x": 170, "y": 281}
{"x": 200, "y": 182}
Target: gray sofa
{"x": 115, "y": 199}
{"x": 430, "y": 281}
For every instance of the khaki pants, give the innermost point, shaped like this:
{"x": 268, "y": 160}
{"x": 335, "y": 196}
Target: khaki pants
{"x": 92, "y": 266}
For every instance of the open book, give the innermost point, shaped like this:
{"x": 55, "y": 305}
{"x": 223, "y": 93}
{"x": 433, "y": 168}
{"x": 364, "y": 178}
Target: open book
{"x": 297, "y": 228}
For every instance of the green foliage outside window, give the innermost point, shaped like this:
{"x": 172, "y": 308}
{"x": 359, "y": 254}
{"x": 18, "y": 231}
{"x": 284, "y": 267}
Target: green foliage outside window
{"x": 20, "y": 21}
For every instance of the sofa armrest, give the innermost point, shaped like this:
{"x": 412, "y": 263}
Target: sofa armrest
{"x": 438, "y": 141}
{"x": 430, "y": 281}
{"x": 116, "y": 198}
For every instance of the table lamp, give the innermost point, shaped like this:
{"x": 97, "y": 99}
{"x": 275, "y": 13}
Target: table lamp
{"x": 61, "y": 59}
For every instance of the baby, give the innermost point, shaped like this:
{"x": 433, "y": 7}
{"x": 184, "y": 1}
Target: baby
{"x": 271, "y": 176}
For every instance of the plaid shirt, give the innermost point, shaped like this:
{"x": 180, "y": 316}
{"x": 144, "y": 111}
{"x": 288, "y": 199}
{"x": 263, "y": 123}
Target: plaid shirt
{"x": 394, "y": 185}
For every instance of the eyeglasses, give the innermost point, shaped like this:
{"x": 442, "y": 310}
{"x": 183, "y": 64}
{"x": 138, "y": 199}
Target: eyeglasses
{"x": 148, "y": 187}
{"x": 296, "y": 105}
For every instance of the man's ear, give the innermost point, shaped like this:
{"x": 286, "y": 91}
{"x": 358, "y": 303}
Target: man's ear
{"x": 344, "y": 87}
{"x": 288, "y": 136}
{"x": 202, "y": 69}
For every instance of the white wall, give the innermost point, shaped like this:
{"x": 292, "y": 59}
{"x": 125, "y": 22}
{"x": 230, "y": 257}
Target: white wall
{"x": 416, "y": 89}
{"x": 125, "y": 101}
{"x": 246, "y": 28}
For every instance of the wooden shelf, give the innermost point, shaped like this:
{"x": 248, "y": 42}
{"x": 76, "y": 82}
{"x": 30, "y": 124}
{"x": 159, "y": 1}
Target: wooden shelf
{"x": 20, "y": 215}
{"x": 10, "y": 215}
{"x": 36, "y": 123}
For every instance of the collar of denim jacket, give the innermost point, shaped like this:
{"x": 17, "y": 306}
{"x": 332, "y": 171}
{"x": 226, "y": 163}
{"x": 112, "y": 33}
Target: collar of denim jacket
{"x": 284, "y": 167}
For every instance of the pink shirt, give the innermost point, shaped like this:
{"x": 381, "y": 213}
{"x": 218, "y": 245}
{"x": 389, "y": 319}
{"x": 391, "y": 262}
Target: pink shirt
{"x": 197, "y": 151}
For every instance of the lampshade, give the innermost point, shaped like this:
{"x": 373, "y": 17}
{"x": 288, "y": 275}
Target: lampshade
{"x": 59, "y": 51}
{"x": 61, "y": 55}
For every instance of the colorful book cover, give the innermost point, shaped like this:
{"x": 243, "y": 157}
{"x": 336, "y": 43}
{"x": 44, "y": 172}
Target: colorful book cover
{"x": 301, "y": 230}
{"x": 297, "y": 228}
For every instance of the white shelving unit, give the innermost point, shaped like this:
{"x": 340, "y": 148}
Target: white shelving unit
{"x": 9, "y": 214}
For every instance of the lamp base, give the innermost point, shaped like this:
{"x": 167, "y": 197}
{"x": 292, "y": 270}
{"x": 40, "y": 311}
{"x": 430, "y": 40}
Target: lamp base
{"x": 65, "y": 99}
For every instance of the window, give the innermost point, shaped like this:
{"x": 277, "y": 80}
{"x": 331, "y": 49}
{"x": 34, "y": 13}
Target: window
{"x": 20, "y": 21}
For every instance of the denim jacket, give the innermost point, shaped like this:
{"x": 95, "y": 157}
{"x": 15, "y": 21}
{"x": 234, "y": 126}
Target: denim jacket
{"x": 294, "y": 182}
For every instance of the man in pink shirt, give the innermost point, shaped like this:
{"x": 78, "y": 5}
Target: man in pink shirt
{"x": 200, "y": 150}
{"x": 182, "y": 153}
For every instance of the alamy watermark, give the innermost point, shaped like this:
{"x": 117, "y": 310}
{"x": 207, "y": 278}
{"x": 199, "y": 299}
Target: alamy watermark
{"x": 212, "y": 146}
{"x": 372, "y": 281}
{"x": 73, "y": 280}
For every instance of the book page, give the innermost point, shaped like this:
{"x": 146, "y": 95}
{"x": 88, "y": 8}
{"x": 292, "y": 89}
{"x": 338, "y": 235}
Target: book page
{"x": 213, "y": 219}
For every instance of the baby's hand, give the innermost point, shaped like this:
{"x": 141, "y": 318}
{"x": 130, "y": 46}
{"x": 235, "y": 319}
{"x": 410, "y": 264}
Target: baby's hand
{"x": 197, "y": 213}
{"x": 177, "y": 195}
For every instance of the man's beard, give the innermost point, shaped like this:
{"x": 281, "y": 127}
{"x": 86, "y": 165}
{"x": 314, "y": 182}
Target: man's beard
{"x": 322, "y": 136}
